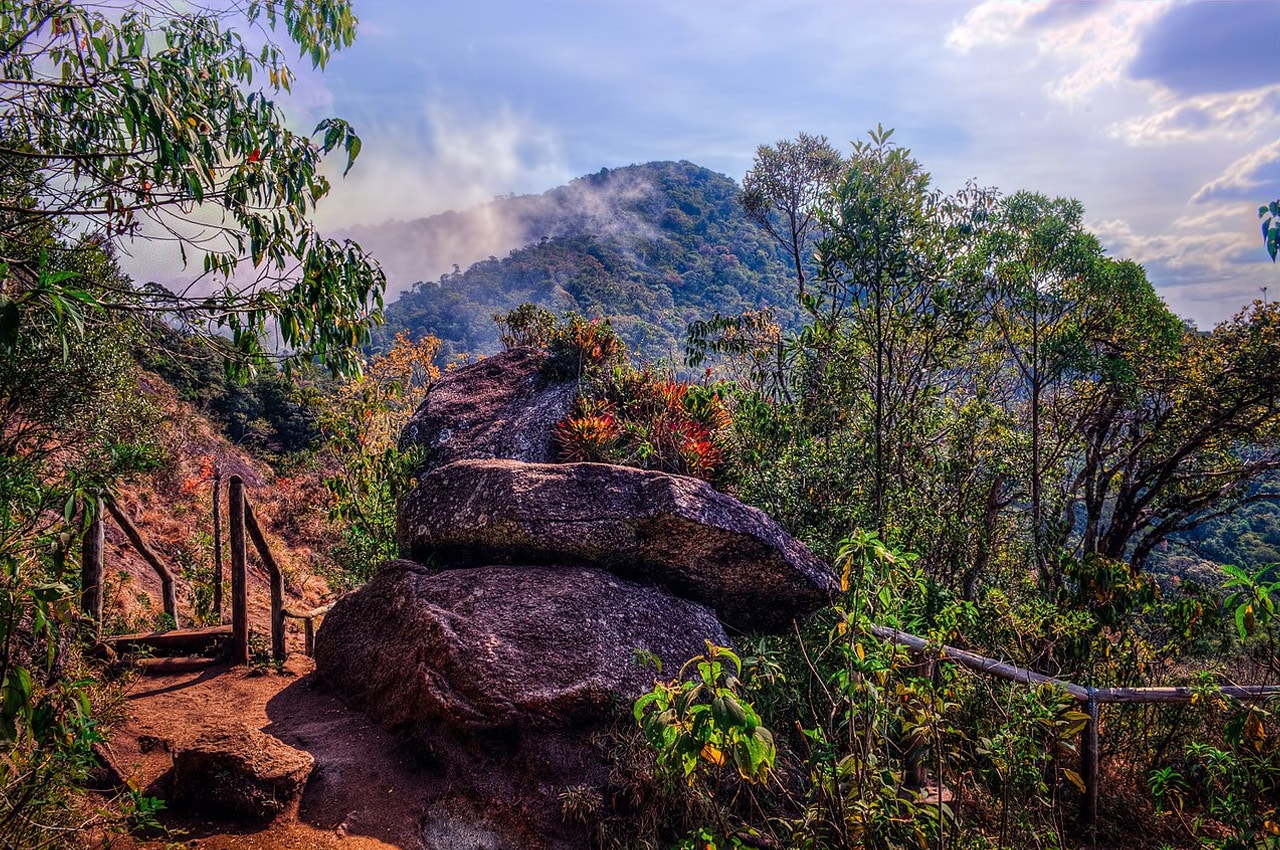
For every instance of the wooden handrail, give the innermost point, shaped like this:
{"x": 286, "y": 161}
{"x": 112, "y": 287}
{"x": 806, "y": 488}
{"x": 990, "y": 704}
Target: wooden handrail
{"x": 277, "y": 581}
{"x": 1091, "y": 697}
{"x": 308, "y": 619}
{"x": 217, "y": 543}
{"x": 999, "y": 669}
{"x": 168, "y": 587}
{"x": 1014, "y": 673}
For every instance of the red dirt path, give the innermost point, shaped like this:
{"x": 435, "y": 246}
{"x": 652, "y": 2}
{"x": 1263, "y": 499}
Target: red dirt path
{"x": 366, "y": 791}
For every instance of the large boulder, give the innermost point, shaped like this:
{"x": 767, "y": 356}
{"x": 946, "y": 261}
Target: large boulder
{"x": 503, "y": 647}
{"x": 669, "y": 530}
{"x": 505, "y": 406}
{"x": 234, "y": 769}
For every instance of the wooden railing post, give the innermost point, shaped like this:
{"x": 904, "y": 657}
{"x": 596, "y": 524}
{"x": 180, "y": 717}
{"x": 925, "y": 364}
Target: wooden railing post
{"x": 277, "y": 581}
{"x": 918, "y": 741}
{"x": 217, "y": 543}
{"x": 308, "y": 619}
{"x": 239, "y": 582}
{"x": 168, "y": 585}
{"x": 1089, "y": 763}
{"x": 91, "y": 571}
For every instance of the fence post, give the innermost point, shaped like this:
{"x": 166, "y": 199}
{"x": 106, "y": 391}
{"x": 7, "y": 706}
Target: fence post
{"x": 917, "y": 766}
{"x": 1089, "y": 763}
{"x": 91, "y": 571}
{"x": 217, "y": 542}
{"x": 239, "y": 583}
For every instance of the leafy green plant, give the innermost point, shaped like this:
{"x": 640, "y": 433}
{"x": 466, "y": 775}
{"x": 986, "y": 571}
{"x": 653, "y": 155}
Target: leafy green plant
{"x": 702, "y": 721}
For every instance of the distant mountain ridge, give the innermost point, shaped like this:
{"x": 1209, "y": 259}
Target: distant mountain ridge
{"x": 652, "y": 247}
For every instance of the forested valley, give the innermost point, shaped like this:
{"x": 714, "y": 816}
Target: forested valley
{"x": 992, "y": 428}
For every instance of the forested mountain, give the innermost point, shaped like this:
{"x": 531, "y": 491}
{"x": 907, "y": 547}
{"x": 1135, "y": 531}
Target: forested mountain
{"x": 652, "y": 247}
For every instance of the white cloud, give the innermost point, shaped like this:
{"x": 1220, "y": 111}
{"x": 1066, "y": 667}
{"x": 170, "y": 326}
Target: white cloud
{"x": 1230, "y": 115}
{"x": 1090, "y": 50}
{"x": 1244, "y": 177}
{"x": 992, "y": 23}
{"x": 465, "y": 159}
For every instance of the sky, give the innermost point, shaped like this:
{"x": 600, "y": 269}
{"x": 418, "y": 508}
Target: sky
{"x": 1163, "y": 118}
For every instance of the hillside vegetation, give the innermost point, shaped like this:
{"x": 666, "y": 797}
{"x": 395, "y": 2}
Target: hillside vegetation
{"x": 652, "y": 247}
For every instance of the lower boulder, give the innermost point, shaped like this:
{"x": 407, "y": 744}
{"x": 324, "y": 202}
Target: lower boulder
{"x": 503, "y": 647}
{"x": 506, "y": 682}
{"x": 240, "y": 771}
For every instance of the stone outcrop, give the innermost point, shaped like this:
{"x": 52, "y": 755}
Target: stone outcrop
{"x": 668, "y": 530}
{"x": 504, "y": 647}
{"x": 239, "y": 771}
{"x": 505, "y": 406}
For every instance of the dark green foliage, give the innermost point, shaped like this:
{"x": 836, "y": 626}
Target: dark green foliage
{"x": 688, "y": 251}
{"x": 1270, "y": 215}
{"x": 270, "y": 412}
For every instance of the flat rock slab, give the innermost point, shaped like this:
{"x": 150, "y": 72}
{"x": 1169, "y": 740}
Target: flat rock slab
{"x": 503, "y": 647}
{"x": 504, "y": 406}
{"x": 668, "y": 530}
{"x": 235, "y": 769}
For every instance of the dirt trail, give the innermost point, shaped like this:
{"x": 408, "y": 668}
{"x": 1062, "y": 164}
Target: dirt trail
{"x": 366, "y": 792}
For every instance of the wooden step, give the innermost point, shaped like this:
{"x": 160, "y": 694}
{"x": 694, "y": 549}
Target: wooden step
{"x": 173, "y": 641}
{"x": 174, "y": 666}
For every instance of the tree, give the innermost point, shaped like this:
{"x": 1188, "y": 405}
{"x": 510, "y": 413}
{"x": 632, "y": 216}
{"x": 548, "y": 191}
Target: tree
{"x": 1177, "y": 428}
{"x": 891, "y": 315}
{"x": 1036, "y": 262}
{"x": 785, "y": 188}
{"x": 145, "y": 124}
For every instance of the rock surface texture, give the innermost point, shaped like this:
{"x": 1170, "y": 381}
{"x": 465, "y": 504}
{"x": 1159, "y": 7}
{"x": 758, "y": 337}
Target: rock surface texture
{"x": 669, "y": 530}
{"x": 503, "y": 406}
{"x": 506, "y": 661}
{"x": 504, "y": 647}
{"x": 237, "y": 770}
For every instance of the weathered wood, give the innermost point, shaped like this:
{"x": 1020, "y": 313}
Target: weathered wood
{"x": 175, "y": 640}
{"x": 1245, "y": 693}
{"x": 91, "y": 569}
{"x": 168, "y": 586}
{"x": 999, "y": 669}
{"x": 1089, "y": 764}
{"x": 217, "y": 543}
{"x": 277, "y": 581}
{"x": 917, "y": 743}
{"x": 308, "y": 619}
{"x": 174, "y": 666}
{"x": 1013, "y": 673}
{"x": 239, "y": 572}
{"x": 308, "y": 615}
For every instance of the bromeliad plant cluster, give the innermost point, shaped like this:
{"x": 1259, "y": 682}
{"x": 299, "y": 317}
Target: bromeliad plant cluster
{"x": 645, "y": 419}
{"x": 634, "y": 417}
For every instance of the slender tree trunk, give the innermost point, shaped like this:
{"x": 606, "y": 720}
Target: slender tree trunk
{"x": 1037, "y": 503}
{"x": 878, "y": 402}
